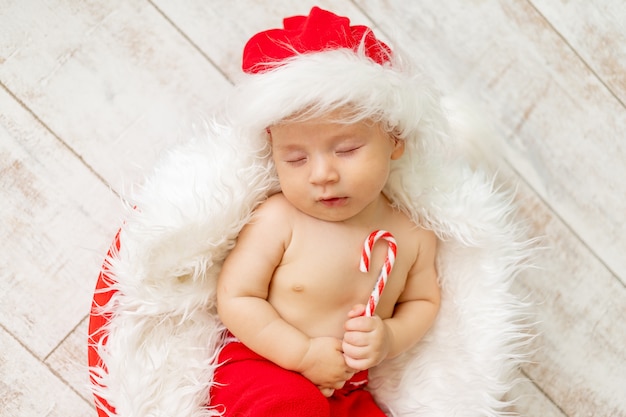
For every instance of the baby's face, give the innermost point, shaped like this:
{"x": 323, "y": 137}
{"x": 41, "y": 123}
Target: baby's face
{"x": 329, "y": 170}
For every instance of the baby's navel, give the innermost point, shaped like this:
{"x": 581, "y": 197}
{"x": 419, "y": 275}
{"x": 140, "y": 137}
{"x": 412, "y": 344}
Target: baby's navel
{"x": 297, "y": 288}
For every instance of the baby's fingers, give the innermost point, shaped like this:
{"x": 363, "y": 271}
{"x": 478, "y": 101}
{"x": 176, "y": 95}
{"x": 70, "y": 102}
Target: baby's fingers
{"x": 360, "y": 364}
{"x": 360, "y": 357}
{"x": 357, "y": 310}
{"x": 327, "y": 392}
{"x": 352, "y": 338}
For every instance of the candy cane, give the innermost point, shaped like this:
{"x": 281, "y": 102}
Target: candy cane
{"x": 384, "y": 271}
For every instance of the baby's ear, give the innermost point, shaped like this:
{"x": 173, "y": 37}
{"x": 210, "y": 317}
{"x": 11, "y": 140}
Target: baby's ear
{"x": 398, "y": 148}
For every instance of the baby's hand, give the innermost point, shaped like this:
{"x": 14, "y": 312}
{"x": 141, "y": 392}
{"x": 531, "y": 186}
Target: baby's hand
{"x": 324, "y": 365}
{"x": 366, "y": 341}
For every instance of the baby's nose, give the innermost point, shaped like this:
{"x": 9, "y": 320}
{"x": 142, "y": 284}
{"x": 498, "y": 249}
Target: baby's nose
{"x": 323, "y": 170}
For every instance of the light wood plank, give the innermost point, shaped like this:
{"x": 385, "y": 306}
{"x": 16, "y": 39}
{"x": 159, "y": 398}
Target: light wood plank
{"x": 69, "y": 361}
{"x": 57, "y": 218}
{"x": 581, "y": 332}
{"x": 596, "y": 30}
{"x": 114, "y": 79}
{"x": 28, "y": 388}
{"x": 564, "y": 130}
{"x": 531, "y": 402}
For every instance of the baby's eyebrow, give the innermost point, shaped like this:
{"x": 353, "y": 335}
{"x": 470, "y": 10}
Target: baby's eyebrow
{"x": 288, "y": 147}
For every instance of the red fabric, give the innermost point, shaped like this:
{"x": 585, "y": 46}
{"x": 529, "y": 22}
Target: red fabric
{"x": 97, "y": 320}
{"x": 251, "y": 386}
{"x": 320, "y": 30}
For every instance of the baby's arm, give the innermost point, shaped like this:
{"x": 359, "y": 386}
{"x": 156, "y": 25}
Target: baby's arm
{"x": 242, "y": 294}
{"x": 370, "y": 340}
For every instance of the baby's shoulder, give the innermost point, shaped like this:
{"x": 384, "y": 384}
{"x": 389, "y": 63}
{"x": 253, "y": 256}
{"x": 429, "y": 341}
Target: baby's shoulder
{"x": 412, "y": 233}
{"x": 275, "y": 202}
{"x": 271, "y": 217}
{"x": 275, "y": 207}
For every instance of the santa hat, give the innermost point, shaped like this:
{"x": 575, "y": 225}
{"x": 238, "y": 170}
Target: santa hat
{"x": 320, "y": 31}
{"x": 318, "y": 63}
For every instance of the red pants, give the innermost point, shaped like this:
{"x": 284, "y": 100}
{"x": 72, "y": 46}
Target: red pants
{"x": 252, "y": 386}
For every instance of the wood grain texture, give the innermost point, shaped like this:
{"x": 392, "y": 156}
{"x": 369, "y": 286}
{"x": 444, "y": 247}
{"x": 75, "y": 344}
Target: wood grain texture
{"x": 69, "y": 361}
{"x": 114, "y": 79}
{"x": 52, "y": 209}
{"x": 530, "y": 401}
{"x": 579, "y": 307}
{"x": 596, "y": 31}
{"x": 29, "y": 388}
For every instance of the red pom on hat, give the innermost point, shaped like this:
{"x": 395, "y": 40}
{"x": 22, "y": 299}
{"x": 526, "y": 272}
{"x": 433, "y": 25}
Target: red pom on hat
{"x": 321, "y": 30}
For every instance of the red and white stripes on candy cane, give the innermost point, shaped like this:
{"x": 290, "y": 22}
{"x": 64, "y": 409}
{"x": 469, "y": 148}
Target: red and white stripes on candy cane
{"x": 392, "y": 248}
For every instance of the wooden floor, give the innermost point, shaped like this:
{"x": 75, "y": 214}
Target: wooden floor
{"x": 92, "y": 91}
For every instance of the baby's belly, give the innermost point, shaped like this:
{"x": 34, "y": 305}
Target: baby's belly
{"x": 316, "y": 296}
{"x": 313, "y": 320}
{"x": 318, "y": 306}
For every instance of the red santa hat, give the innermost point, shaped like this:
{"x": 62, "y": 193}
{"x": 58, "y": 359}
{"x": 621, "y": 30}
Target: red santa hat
{"x": 318, "y": 63}
{"x": 320, "y": 31}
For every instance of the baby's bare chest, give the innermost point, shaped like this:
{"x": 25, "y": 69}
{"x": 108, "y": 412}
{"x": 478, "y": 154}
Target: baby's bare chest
{"x": 324, "y": 269}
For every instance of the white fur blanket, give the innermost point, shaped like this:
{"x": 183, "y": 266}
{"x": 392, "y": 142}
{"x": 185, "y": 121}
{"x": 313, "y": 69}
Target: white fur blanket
{"x": 164, "y": 332}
